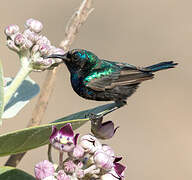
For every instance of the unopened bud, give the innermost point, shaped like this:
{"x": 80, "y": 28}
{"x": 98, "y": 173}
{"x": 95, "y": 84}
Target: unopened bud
{"x": 80, "y": 173}
{"x": 44, "y": 169}
{"x": 77, "y": 152}
{"x": 34, "y": 25}
{"x": 43, "y": 40}
{"x": 69, "y": 166}
{"x": 90, "y": 144}
{"x": 35, "y": 49}
{"x": 108, "y": 150}
{"x": 103, "y": 160}
{"x": 58, "y": 51}
{"x": 11, "y": 29}
{"x": 44, "y": 49}
{"x": 19, "y": 39}
{"x": 62, "y": 175}
{"x": 28, "y": 44}
{"x": 32, "y": 36}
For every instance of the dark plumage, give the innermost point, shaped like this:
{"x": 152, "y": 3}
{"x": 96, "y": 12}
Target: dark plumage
{"x": 103, "y": 80}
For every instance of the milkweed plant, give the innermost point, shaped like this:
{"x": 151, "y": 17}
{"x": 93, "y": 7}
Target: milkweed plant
{"x": 81, "y": 156}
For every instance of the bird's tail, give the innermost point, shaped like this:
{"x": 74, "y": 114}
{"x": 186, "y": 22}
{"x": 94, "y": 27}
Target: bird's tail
{"x": 161, "y": 66}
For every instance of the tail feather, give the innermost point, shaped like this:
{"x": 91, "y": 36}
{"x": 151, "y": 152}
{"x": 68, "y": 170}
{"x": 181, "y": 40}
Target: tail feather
{"x": 161, "y": 66}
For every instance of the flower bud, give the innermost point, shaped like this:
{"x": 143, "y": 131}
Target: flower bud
{"x": 80, "y": 165}
{"x": 90, "y": 144}
{"x": 108, "y": 150}
{"x": 58, "y": 51}
{"x": 44, "y": 49}
{"x": 69, "y": 166}
{"x": 19, "y": 39}
{"x": 103, "y": 160}
{"x": 11, "y": 29}
{"x": 34, "y": 25}
{"x": 62, "y": 175}
{"x": 79, "y": 173}
{"x": 77, "y": 152}
{"x": 35, "y": 49}
{"x": 30, "y": 35}
{"x": 44, "y": 169}
{"x": 43, "y": 40}
{"x": 28, "y": 44}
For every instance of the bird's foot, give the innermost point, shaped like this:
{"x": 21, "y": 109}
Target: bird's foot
{"x": 120, "y": 103}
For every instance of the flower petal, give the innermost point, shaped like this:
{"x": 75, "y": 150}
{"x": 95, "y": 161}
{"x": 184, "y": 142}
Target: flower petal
{"x": 75, "y": 139}
{"x": 67, "y": 130}
{"x": 119, "y": 168}
{"x": 54, "y": 132}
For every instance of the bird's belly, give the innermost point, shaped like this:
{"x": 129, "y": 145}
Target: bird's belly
{"x": 114, "y": 94}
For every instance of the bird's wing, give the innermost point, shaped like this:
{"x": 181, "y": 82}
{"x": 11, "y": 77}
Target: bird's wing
{"x": 108, "y": 77}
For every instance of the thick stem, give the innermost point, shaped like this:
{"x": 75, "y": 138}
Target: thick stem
{"x": 60, "y": 159}
{"x": 49, "y": 153}
{"x": 20, "y": 77}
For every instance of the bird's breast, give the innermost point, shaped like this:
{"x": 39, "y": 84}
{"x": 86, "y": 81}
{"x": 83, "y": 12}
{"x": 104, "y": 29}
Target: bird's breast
{"x": 77, "y": 83}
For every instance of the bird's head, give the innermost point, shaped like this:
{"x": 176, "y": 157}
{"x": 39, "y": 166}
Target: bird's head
{"x": 77, "y": 59}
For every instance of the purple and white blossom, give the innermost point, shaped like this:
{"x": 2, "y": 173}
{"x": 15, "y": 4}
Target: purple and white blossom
{"x": 88, "y": 159}
{"x": 63, "y": 139}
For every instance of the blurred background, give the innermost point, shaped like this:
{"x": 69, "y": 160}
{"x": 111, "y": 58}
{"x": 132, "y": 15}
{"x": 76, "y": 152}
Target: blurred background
{"x": 155, "y": 137}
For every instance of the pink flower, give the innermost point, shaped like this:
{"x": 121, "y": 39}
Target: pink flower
{"x": 34, "y": 25}
{"x": 69, "y": 166}
{"x": 103, "y": 160}
{"x": 90, "y": 143}
{"x": 77, "y": 152}
{"x": 11, "y": 30}
{"x": 44, "y": 169}
{"x": 108, "y": 150}
{"x": 62, "y": 175}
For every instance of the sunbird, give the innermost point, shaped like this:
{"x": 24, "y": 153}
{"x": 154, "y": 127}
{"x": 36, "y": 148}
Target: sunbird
{"x": 102, "y": 80}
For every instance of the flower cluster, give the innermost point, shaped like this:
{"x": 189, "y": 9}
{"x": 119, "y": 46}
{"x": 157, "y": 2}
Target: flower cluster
{"x": 31, "y": 46}
{"x": 89, "y": 159}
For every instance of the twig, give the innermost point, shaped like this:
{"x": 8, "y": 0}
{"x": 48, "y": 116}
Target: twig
{"x": 72, "y": 29}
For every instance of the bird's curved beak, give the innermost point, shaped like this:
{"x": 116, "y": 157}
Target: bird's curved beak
{"x": 60, "y": 56}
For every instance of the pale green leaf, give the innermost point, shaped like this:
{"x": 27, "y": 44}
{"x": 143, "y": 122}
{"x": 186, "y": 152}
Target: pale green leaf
{"x": 11, "y": 173}
{"x": 27, "y": 90}
{"x": 30, "y": 138}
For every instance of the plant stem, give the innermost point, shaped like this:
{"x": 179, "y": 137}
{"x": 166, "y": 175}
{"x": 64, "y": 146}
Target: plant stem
{"x": 49, "y": 153}
{"x": 60, "y": 159}
{"x": 20, "y": 77}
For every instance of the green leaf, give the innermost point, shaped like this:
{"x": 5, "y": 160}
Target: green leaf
{"x": 11, "y": 173}
{"x": 1, "y": 92}
{"x": 26, "y": 91}
{"x": 30, "y": 138}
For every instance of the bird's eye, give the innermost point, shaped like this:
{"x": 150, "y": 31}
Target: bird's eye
{"x": 76, "y": 56}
